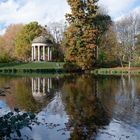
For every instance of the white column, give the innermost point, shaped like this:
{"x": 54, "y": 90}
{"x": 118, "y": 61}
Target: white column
{"x": 35, "y": 88}
{"x": 48, "y": 85}
{"x": 32, "y": 53}
{"x": 43, "y": 53}
{"x": 38, "y": 82}
{"x": 38, "y": 53}
{"x": 43, "y": 85}
{"x": 48, "y": 53}
{"x": 32, "y": 85}
{"x": 35, "y": 53}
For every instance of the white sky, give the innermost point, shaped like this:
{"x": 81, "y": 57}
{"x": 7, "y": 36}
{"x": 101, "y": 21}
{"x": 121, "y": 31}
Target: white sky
{"x": 44, "y": 11}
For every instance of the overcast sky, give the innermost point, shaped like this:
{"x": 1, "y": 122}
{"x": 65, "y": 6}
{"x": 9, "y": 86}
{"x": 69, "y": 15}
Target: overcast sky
{"x": 44, "y": 11}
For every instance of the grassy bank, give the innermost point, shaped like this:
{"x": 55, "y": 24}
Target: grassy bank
{"x": 57, "y": 68}
{"x": 117, "y": 71}
{"x": 31, "y": 65}
{"x": 42, "y": 67}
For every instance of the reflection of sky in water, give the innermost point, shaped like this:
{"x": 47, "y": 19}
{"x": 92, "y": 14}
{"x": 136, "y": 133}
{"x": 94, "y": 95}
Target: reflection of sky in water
{"x": 125, "y": 113}
{"x": 118, "y": 130}
{"x": 53, "y": 114}
{"x": 3, "y": 104}
{"x": 125, "y": 123}
{"x": 3, "y": 107}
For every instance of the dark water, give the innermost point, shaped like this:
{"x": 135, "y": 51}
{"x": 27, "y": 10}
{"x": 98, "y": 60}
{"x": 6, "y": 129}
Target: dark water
{"x": 75, "y": 107}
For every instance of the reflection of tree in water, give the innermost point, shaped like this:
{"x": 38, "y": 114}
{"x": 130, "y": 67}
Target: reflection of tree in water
{"x": 107, "y": 88}
{"x": 86, "y": 113}
{"x": 24, "y": 97}
{"x": 120, "y": 96}
{"x": 21, "y": 95}
{"x": 127, "y": 108}
{"x": 20, "y": 92}
{"x": 39, "y": 97}
{"x": 24, "y": 100}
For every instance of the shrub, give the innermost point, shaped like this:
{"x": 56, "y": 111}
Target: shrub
{"x": 13, "y": 122}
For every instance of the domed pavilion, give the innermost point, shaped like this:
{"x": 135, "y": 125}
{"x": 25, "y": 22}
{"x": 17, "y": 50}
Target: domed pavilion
{"x": 39, "y": 46}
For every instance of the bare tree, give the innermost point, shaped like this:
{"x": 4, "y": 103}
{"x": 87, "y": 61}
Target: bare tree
{"x": 57, "y": 29}
{"x": 127, "y": 29}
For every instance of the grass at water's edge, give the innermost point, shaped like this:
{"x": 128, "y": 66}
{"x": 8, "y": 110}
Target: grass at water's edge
{"x": 32, "y": 65}
{"x": 54, "y": 68}
{"x": 116, "y": 71}
{"x": 31, "y": 68}
{"x": 34, "y": 68}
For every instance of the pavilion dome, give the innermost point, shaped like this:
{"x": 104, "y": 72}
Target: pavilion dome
{"x": 42, "y": 39}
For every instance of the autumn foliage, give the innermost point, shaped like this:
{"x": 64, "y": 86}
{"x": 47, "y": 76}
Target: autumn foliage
{"x": 80, "y": 36}
{"x": 7, "y": 42}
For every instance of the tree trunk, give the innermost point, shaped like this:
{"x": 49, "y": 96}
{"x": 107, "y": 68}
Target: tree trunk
{"x": 97, "y": 52}
{"x": 121, "y": 62}
{"x": 129, "y": 65}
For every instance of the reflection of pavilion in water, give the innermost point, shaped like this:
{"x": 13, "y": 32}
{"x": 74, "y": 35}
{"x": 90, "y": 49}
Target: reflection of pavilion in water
{"x": 41, "y": 87}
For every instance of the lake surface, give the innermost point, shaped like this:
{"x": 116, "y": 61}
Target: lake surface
{"x": 75, "y": 107}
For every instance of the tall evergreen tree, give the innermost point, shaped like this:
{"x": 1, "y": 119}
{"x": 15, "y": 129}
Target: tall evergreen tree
{"x": 80, "y": 36}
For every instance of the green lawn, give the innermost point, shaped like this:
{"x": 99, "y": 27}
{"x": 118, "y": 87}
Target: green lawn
{"x": 31, "y": 65}
{"x": 32, "y": 68}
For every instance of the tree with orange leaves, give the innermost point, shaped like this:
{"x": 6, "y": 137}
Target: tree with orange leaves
{"x": 80, "y": 36}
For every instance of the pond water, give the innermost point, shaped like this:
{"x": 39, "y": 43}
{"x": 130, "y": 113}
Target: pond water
{"x": 76, "y": 107}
